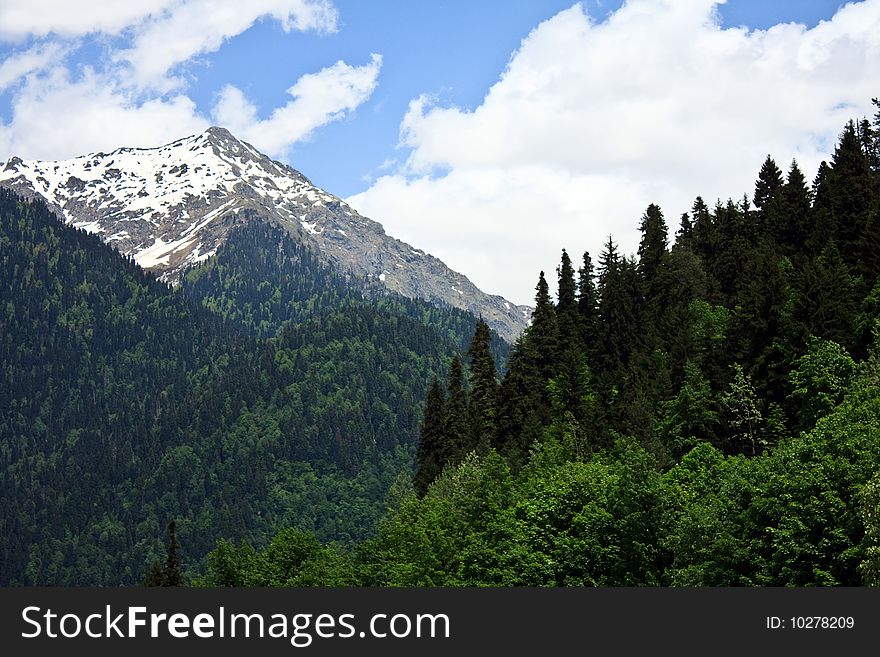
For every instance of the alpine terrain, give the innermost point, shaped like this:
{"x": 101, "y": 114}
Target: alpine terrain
{"x": 172, "y": 207}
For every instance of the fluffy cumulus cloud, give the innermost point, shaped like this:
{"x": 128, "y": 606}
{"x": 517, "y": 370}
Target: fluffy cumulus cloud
{"x": 217, "y": 20}
{"x": 591, "y": 122}
{"x": 132, "y": 93}
{"x": 317, "y": 98}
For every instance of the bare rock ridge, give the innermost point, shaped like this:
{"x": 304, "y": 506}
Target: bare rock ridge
{"x": 173, "y": 206}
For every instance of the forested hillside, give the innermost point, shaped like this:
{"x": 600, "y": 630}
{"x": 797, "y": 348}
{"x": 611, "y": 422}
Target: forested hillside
{"x": 125, "y": 404}
{"x": 701, "y": 414}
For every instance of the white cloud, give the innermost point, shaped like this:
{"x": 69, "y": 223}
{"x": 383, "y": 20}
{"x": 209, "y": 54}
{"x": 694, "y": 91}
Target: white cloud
{"x": 171, "y": 38}
{"x": 72, "y": 18}
{"x": 126, "y": 96}
{"x": 20, "y": 64}
{"x": 590, "y": 122}
{"x": 318, "y": 98}
{"x": 55, "y": 117}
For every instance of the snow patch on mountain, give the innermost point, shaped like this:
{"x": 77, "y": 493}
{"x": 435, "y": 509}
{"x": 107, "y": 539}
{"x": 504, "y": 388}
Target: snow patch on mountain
{"x": 173, "y": 206}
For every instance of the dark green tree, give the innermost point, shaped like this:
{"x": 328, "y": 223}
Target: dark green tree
{"x": 826, "y": 299}
{"x": 652, "y": 249}
{"x": 588, "y": 305}
{"x": 457, "y": 433}
{"x": 429, "y": 459}
{"x": 768, "y": 190}
{"x": 567, "y": 305}
{"x": 543, "y": 333}
{"x": 169, "y": 574}
{"x": 853, "y": 198}
{"x": 795, "y": 201}
{"x": 484, "y": 386}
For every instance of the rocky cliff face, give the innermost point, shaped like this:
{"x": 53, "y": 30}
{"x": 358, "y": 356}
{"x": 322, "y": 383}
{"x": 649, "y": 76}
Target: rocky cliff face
{"x": 173, "y": 206}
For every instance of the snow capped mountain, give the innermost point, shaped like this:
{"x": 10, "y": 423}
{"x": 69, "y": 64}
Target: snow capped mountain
{"x": 173, "y": 206}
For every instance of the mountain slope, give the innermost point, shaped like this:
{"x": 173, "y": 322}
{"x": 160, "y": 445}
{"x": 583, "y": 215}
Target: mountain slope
{"x": 173, "y": 206}
{"x": 125, "y": 403}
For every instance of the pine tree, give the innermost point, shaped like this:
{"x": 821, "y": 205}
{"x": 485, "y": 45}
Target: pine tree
{"x": 821, "y": 223}
{"x": 429, "y": 459}
{"x": 588, "y": 305}
{"x": 826, "y": 299}
{"x": 567, "y": 306}
{"x": 543, "y": 333}
{"x": 853, "y": 200}
{"x": 768, "y": 189}
{"x": 457, "y": 434}
{"x": 795, "y": 201}
{"x": 737, "y": 237}
{"x": 524, "y": 404}
{"x": 652, "y": 248}
{"x": 484, "y": 385}
{"x": 764, "y": 335}
{"x": 685, "y": 233}
{"x": 172, "y": 573}
{"x": 522, "y": 412}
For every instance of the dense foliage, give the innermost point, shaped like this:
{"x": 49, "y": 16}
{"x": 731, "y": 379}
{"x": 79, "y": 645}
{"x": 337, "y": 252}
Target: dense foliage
{"x": 705, "y": 414}
{"x": 125, "y": 405}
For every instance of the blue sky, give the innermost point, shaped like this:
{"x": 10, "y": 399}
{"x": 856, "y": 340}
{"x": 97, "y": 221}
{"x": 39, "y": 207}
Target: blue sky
{"x": 438, "y": 119}
{"x": 455, "y": 49}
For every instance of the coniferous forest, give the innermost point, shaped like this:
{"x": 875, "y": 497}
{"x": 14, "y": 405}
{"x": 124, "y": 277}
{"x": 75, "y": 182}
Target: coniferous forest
{"x": 705, "y": 412}
{"x": 125, "y": 405}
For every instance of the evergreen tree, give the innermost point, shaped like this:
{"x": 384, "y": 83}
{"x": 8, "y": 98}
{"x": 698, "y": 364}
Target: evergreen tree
{"x": 685, "y": 233}
{"x": 704, "y": 233}
{"x": 826, "y": 299}
{"x": 588, "y": 305}
{"x": 484, "y": 385}
{"x": 429, "y": 459}
{"x": 795, "y": 201}
{"x": 737, "y": 236}
{"x": 652, "y": 248}
{"x": 457, "y": 434}
{"x": 853, "y": 201}
{"x": 170, "y": 574}
{"x": 764, "y": 335}
{"x": 522, "y": 411}
{"x": 821, "y": 224}
{"x": 543, "y": 333}
{"x": 567, "y": 306}
{"x": 768, "y": 189}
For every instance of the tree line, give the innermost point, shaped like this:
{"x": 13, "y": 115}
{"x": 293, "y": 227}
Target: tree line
{"x": 700, "y": 413}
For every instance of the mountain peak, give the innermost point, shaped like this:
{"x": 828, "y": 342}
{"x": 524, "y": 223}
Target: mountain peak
{"x": 219, "y": 136}
{"x": 173, "y": 206}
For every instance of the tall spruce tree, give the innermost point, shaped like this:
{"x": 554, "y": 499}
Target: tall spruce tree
{"x": 795, "y": 201}
{"x": 567, "y": 306}
{"x": 588, "y": 305}
{"x": 484, "y": 385}
{"x": 544, "y": 330}
{"x": 821, "y": 222}
{"x": 854, "y": 201}
{"x": 685, "y": 233}
{"x": 652, "y": 248}
{"x": 826, "y": 300}
{"x": 768, "y": 189}
{"x": 457, "y": 434}
{"x": 169, "y": 574}
{"x": 429, "y": 459}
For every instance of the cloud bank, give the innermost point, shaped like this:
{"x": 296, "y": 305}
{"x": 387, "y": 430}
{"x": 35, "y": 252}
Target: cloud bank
{"x": 134, "y": 94}
{"x": 590, "y": 122}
